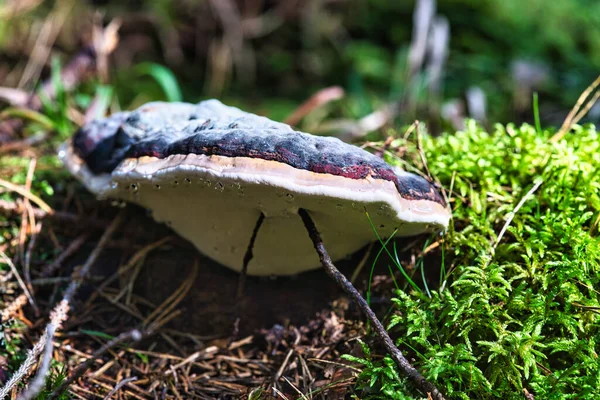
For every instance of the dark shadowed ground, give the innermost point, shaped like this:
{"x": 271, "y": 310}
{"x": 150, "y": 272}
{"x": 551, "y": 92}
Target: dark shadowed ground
{"x": 210, "y": 308}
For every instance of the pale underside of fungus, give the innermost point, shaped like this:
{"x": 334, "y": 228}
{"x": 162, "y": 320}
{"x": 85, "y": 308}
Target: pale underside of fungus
{"x": 211, "y": 172}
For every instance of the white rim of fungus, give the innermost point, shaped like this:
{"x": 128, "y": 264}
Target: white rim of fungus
{"x": 259, "y": 171}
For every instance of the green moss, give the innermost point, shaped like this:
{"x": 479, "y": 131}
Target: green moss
{"x": 522, "y": 315}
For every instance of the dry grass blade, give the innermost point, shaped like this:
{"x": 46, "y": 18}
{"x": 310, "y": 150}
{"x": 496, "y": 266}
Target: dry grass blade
{"x": 133, "y": 335}
{"x": 27, "y": 194}
{"x": 134, "y": 261}
{"x": 280, "y": 394}
{"x": 350, "y": 130}
{"x": 190, "y": 359}
{"x": 302, "y": 395}
{"x": 27, "y": 217}
{"x": 24, "y": 287}
{"x": 14, "y": 97}
{"x": 12, "y": 9}
{"x": 105, "y": 42}
{"x": 59, "y": 314}
{"x": 158, "y": 317}
{"x": 512, "y": 214}
{"x": 231, "y": 20}
{"x": 137, "y": 261}
{"x": 586, "y": 108}
{"x": 362, "y": 263}
{"x": 317, "y": 100}
{"x": 578, "y": 110}
{"x": 27, "y": 261}
{"x": 284, "y": 364}
{"x": 43, "y": 45}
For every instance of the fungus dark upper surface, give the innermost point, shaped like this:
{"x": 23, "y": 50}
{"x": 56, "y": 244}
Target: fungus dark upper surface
{"x": 211, "y": 128}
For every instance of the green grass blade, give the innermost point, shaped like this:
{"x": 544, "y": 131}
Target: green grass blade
{"x": 25, "y": 113}
{"x": 164, "y": 77}
{"x": 421, "y": 265}
{"x": 536, "y": 114}
{"x": 373, "y": 268}
{"x": 396, "y": 261}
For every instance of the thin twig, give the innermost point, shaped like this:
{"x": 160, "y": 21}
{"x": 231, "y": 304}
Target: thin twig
{"x": 133, "y": 335}
{"x": 119, "y": 386}
{"x": 57, "y": 317}
{"x": 69, "y": 251}
{"x": 40, "y": 378}
{"x": 27, "y": 262}
{"x": 302, "y": 395}
{"x": 12, "y": 208}
{"x": 386, "y": 145}
{"x": 105, "y": 42}
{"x": 60, "y": 279}
{"x": 420, "y": 149}
{"x": 26, "y": 143}
{"x": 84, "y": 270}
{"x": 586, "y": 108}
{"x": 25, "y": 366}
{"x": 411, "y": 372}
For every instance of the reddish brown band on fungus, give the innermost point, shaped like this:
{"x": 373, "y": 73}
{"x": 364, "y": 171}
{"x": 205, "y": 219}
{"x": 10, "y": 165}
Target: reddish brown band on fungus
{"x": 103, "y": 144}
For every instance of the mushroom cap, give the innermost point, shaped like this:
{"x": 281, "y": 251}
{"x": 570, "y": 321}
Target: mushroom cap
{"x": 209, "y": 171}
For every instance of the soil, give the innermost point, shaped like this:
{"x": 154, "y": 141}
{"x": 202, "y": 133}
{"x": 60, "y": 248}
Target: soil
{"x": 210, "y": 308}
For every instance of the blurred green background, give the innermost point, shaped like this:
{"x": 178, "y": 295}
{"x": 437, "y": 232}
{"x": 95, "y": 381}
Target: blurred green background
{"x": 480, "y": 58}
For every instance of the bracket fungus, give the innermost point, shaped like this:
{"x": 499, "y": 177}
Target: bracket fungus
{"x": 211, "y": 172}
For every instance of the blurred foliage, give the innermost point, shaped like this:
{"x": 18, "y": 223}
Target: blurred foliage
{"x": 258, "y": 53}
